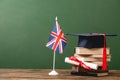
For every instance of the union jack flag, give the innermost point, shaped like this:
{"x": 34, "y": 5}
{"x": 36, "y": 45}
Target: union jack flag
{"x": 57, "y": 41}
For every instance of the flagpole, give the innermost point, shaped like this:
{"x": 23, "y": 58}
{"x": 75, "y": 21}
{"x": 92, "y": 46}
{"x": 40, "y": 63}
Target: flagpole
{"x": 54, "y": 61}
{"x": 54, "y": 54}
{"x": 53, "y": 72}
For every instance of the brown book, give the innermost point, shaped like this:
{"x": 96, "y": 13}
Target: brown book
{"x": 77, "y": 70}
{"x": 81, "y": 69}
{"x": 90, "y": 51}
{"x": 93, "y": 56}
{"x": 98, "y": 63}
{"x": 90, "y": 74}
{"x": 95, "y": 60}
{"x": 100, "y": 74}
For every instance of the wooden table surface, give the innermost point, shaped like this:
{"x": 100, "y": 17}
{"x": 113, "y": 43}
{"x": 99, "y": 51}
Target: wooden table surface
{"x": 42, "y": 74}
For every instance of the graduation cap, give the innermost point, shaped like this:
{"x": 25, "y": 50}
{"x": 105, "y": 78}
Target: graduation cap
{"x": 94, "y": 40}
{"x": 91, "y": 40}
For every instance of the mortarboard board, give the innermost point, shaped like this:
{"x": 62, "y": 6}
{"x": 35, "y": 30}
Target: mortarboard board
{"x": 94, "y": 40}
{"x": 91, "y": 40}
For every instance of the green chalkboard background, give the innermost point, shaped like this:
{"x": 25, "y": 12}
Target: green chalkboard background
{"x": 25, "y": 26}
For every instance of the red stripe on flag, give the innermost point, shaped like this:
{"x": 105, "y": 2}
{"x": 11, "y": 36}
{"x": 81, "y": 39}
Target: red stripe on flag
{"x": 57, "y": 40}
{"x": 58, "y": 35}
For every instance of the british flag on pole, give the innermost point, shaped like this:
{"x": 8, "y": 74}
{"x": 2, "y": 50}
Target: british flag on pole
{"x": 57, "y": 41}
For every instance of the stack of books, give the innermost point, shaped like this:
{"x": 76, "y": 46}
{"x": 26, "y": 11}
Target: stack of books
{"x": 90, "y": 55}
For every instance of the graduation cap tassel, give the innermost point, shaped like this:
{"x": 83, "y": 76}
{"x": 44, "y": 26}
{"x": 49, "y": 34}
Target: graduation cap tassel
{"x": 104, "y": 63}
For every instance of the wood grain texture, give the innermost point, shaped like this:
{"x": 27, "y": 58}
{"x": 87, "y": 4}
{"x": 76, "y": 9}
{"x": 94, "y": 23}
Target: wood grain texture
{"x": 42, "y": 74}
